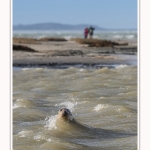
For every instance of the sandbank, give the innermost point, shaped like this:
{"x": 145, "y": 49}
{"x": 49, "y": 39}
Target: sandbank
{"x": 70, "y": 52}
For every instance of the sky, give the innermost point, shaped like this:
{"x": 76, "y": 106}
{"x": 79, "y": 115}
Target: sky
{"x": 112, "y": 14}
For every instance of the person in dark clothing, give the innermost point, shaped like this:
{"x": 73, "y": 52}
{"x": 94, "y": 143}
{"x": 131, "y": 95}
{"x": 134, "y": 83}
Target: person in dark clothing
{"x": 86, "y": 30}
{"x": 91, "y": 30}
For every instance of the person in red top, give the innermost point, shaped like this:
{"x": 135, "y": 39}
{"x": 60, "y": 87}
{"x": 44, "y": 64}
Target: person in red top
{"x": 86, "y": 30}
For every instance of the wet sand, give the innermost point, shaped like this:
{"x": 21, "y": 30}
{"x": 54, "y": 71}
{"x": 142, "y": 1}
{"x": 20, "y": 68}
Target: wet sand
{"x": 51, "y": 53}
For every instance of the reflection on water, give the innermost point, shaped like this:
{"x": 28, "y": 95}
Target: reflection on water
{"x": 103, "y": 102}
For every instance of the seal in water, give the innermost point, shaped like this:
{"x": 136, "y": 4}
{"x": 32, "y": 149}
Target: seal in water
{"x": 65, "y": 114}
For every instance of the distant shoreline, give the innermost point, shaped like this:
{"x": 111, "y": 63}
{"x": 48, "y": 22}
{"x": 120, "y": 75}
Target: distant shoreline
{"x": 58, "y": 26}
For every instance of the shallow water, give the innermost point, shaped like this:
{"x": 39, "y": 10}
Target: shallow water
{"x": 103, "y": 101}
{"x": 105, "y": 34}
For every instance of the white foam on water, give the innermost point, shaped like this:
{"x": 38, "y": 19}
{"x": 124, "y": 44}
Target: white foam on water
{"x": 26, "y": 68}
{"x": 121, "y": 94}
{"x": 37, "y": 89}
{"x": 51, "y": 122}
{"x": 15, "y": 106}
{"x": 102, "y": 97}
{"x": 118, "y": 110}
{"x": 39, "y": 137}
{"x": 100, "y": 107}
{"x": 25, "y": 133}
{"x": 121, "y": 66}
{"x": 68, "y": 34}
{"x": 129, "y": 36}
{"x": 82, "y": 102}
{"x": 19, "y": 100}
{"x": 18, "y": 103}
{"x": 68, "y": 104}
{"x": 117, "y": 36}
{"x": 49, "y": 140}
{"x": 81, "y": 70}
{"x": 41, "y": 36}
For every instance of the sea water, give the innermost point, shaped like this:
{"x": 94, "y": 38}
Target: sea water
{"x": 99, "y": 34}
{"x": 100, "y": 99}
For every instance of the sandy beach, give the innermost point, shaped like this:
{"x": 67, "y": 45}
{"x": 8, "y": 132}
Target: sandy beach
{"x": 51, "y": 52}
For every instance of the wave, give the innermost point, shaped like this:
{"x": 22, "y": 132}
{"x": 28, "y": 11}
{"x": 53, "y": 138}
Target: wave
{"x": 22, "y": 103}
{"x": 72, "y": 130}
{"x": 25, "y": 133}
{"x": 68, "y": 104}
{"x": 121, "y": 66}
{"x": 100, "y": 107}
{"x": 51, "y": 122}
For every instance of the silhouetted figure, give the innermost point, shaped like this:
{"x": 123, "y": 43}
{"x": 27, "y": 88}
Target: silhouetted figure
{"x": 91, "y": 30}
{"x": 86, "y": 30}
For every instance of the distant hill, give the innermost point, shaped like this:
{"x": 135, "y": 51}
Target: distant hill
{"x": 54, "y": 26}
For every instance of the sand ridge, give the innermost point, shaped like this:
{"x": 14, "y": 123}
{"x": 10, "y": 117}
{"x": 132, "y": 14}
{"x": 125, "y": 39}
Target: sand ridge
{"x": 70, "y": 52}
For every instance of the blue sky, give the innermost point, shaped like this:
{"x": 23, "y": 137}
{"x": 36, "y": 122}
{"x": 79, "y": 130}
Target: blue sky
{"x": 114, "y": 14}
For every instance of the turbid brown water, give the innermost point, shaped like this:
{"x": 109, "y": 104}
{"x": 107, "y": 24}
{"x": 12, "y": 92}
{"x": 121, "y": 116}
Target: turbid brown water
{"x": 103, "y": 101}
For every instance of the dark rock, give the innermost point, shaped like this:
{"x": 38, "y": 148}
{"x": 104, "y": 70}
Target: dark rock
{"x": 52, "y": 39}
{"x": 68, "y": 53}
{"x": 23, "y": 48}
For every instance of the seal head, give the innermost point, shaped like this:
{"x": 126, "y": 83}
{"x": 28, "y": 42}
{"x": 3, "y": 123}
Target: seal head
{"x": 65, "y": 113}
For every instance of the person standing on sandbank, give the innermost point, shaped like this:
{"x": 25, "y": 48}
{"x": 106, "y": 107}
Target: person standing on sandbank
{"x": 86, "y": 30}
{"x": 91, "y": 30}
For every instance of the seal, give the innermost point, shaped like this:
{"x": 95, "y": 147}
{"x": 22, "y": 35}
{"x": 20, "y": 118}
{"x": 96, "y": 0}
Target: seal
{"x": 65, "y": 114}
{"x": 65, "y": 117}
